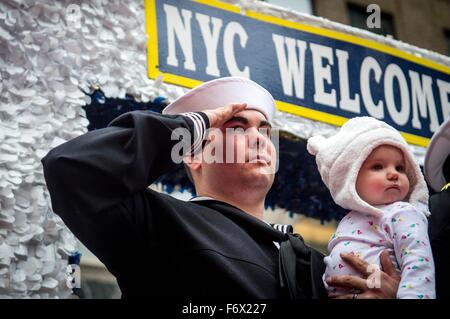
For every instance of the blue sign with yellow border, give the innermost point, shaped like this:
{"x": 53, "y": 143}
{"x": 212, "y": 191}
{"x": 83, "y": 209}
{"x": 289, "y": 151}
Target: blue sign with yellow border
{"x": 313, "y": 72}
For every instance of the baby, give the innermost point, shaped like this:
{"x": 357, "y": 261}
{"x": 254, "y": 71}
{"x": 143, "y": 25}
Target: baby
{"x": 370, "y": 171}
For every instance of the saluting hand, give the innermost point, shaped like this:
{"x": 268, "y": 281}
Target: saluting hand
{"x": 218, "y": 117}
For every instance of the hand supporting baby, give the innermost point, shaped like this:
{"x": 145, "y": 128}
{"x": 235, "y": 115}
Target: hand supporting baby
{"x": 389, "y": 279}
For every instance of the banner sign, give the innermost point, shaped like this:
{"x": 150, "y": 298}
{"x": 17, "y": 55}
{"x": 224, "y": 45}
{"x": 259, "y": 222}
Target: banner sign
{"x": 312, "y": 72}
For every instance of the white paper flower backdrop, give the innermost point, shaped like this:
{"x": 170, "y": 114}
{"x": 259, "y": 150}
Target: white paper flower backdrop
{"x": 49, "y": 51}
{"x": 43, "y": 62}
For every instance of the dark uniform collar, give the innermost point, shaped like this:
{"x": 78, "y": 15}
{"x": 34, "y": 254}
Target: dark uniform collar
{"x": 277, "y": 231}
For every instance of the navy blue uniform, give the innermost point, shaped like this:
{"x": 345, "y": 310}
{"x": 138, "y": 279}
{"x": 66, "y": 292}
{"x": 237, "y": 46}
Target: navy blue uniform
{"x": 156, "y": 245}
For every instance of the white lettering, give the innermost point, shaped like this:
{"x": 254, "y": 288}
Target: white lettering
{"x": 292, "y": 69}
{"x": 400, "y": 117}
{"x": 176, "y": 27}
{"x": 422, "y": 95}
{"x": 321, "y": 73}
{"x": 346, "y": 102}
{"x": 370, "y": 64}
{"x": 444, "y": 91}
{"x": 211, "y": 39}
{"x": 231, "y": 30}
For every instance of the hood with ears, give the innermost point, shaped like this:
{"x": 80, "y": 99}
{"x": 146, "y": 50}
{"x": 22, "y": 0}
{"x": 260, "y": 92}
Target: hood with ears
{"x": 340, "y": 157}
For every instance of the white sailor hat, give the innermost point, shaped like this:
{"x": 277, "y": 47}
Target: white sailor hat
{"x": 437, "y": 152}
{"x": 223, "y": 91}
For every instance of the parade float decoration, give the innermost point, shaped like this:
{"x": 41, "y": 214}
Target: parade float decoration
{"x": 66, "y": 68}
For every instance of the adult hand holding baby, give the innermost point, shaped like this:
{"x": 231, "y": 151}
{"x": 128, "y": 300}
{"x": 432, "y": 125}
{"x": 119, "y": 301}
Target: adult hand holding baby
{"x": 389, "y": 279}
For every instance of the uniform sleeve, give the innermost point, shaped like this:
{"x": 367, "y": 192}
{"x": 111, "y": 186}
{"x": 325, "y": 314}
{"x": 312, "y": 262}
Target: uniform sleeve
{"x": 103, "y": 167}
{"x": 98, "y": 181}
{"x": 409, "y": 232}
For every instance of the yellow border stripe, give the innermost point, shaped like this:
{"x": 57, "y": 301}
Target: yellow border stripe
{"x": 337, "y": 120}
{"x": 415, "y": 139}
{"x": 219, "y": 5}
{"x": 180, "y": 80}
{"x": 152, "y": 42}
{"x": 311, "y": 113}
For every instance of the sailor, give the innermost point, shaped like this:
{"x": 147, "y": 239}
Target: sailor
{"x": 214, "y": 246}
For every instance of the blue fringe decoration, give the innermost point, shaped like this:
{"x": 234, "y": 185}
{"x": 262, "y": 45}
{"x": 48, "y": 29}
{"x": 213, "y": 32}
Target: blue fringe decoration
{"x": 75, "y": 258}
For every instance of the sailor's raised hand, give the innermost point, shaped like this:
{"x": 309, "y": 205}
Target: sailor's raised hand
{"x": 218, "y": 117}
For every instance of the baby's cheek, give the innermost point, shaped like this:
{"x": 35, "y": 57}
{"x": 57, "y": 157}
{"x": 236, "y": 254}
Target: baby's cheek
{"x": 406, "y": 188}
{"x": 406, "y": 183}
{"x": 377, "y": 185}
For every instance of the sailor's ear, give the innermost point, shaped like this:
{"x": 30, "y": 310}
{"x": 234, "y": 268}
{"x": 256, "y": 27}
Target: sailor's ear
{"x": 193, "y": 162}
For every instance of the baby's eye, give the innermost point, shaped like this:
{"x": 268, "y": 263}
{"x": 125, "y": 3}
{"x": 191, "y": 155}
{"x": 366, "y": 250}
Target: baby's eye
{"x": 377, "y": 167}
{"x": 400, "y": 168}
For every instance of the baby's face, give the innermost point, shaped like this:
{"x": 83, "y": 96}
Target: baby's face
{"x": 382, "y": 178}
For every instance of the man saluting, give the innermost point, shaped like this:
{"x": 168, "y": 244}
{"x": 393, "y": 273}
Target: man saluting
{"x": 216, "y": 245}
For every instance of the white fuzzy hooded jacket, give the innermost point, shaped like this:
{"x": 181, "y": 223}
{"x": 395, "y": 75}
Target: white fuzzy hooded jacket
{"x": 340, "y": 157}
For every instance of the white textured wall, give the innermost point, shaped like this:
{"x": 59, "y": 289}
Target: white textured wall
{"x": 44, "y": 61}
{"x": 42, "y": 65}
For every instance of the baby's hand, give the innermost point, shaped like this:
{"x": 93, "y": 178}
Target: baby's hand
{"x": 388, "y": 284}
